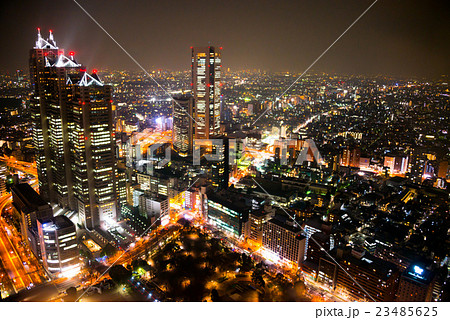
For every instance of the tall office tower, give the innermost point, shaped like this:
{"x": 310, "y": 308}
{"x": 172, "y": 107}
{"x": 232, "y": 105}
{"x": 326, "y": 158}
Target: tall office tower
{"x": 206, "y": 75}
{"x": 92, "y": 153}
{"x": 121, "y": 190}
{"x": 3, "y": 177}
{"x": 59, "y": 247}
{"x": 182, "y": 132}
{"x": 220, "y": 169}
{"x": 48, "y": 71}
{"x": 73, "y": 135}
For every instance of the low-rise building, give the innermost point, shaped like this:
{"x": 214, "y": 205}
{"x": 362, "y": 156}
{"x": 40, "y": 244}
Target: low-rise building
{"x": 31, "y": 207}
{"x": 359, "y": 274}
{"x": 59, "y": 246}
{"x": 227, "y": 211}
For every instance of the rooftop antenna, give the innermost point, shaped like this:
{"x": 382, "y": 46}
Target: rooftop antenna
{"x": 50, "y": 37}
{"x": 39, "y": 33}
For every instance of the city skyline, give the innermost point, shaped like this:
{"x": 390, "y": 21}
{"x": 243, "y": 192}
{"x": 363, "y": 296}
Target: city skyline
{"x": 394, "y": 39}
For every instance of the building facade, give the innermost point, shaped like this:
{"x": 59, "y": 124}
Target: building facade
{"x": 285, "y": 240}
{"x": 365, "y": 278}
{"x": 73, "y": 135}
{"x": 92, "y": 156}
{"x": 59, "y": 247}
{"x": 206, "y": 88}
{"x": 182, "y": 132}
{"x": 416, "y": 284}
{"x": 256, "y": 221}
{"x": 226, "y": 212}
{"x": 48, "y": 72}
{"x": 31, "y": 207}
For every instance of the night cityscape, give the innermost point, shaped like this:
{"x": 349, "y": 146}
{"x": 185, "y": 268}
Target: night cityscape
{"x": 234, "y": 164}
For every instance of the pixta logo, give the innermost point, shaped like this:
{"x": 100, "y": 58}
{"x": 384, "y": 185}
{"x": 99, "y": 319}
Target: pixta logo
{"x": 216, "y": 150}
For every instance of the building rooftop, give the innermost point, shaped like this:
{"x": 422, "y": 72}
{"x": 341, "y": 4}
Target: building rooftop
{"x": 28, "y": 195}
{"x": 418, "y": 273}
{"x": 231, "y": 200}
{"x": 317, "y": 223}
{"x": 58, "y": 222}
{"x": 286, "y": 223}
{"x": 384, "y": 269}
{"x": 259, "y": 213}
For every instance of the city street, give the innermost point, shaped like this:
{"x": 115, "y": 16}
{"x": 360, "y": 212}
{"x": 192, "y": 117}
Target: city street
{"x": 21, "y": 266}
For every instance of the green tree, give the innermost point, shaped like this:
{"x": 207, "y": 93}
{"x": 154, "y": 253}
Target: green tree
{"x": 215, "y": 295}
{"x": 71, "y": 294}
{"x": 108, "y": 250}
{"x": 119, "y": 274}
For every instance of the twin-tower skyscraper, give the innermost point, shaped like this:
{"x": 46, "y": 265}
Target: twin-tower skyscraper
{"x": 73, "y": 135}
{"x": 73, "y": 131}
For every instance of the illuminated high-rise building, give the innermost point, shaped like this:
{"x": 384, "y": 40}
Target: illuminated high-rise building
{"x": 3, "y": 177}
{"x": 182, "y": 132}
{"x": 206, "y": 87}
{"x": 416, "y": 284}
{"x": 73, "y": 132}
{"x": 220, "y": 169}
{"x": 92, "y": 155}
{"x": 48, "y": 72}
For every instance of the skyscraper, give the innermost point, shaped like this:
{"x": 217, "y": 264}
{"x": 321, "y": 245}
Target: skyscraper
{"x": 3, "y": 177}
{"x": 220, "y": 169}
{"x": 92, "y": 156}
{"x": 182, "y": 132}
{"x": 48, "y": 70}
{"x": 206, "y": 87}
{"x": 73, "y": 135}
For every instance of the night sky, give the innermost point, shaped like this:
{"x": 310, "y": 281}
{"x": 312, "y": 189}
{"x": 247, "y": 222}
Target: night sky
{"x": 399, "y": 38}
